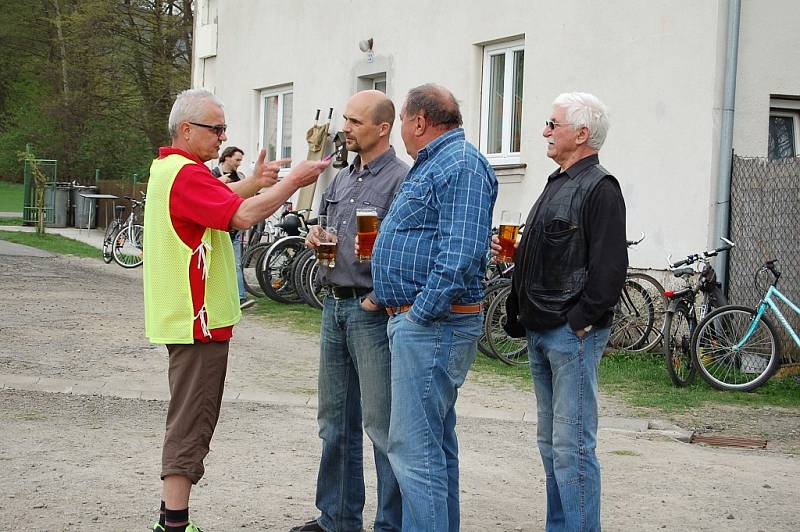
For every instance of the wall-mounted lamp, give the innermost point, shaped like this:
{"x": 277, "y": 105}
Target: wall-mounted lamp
{"x": 366, "y": 47}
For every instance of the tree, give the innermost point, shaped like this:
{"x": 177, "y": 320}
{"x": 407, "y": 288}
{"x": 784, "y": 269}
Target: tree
{"x": 90, "y": 82}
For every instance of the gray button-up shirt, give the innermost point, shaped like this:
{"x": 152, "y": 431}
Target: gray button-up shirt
{"x": 373, "y": 185}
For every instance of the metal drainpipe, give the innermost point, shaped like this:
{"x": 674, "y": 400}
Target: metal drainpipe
{"x": 723, "y": 205}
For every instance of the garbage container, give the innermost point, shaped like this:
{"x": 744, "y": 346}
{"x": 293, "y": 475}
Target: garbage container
{"x": 56, "y": 200}
{"x": 83, "y": 207}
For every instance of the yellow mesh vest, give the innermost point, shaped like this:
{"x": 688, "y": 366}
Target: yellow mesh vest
{"x": 168, "y": 313}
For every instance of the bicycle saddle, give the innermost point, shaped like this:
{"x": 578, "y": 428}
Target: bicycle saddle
{"x": 680, "y": 272}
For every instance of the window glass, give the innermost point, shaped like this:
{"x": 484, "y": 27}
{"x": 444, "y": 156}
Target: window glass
{"x": 496, "y": 93}
{"x": 516, "y": 110}
{"x": 270, "y": 139}
{"x": 286, "y": 127}
{"x": 781, "y": 137}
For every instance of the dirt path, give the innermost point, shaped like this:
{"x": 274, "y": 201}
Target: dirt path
{"x": 88, "y": 459}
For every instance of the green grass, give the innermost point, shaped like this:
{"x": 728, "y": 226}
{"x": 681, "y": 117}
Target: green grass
{"x": 11, "y": 195}
{"x": 52, "y": 243}
{"x": 299, "y": 317}
{"x": 10, "y": 221}
{"x": 641, "y": 380}
{"x": 492, "y": 371}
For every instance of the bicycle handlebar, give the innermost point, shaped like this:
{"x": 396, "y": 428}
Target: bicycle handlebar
{"x": 691, "y": 259}
{"x": 631, "y": 243}
{"x": 770, "y": 267}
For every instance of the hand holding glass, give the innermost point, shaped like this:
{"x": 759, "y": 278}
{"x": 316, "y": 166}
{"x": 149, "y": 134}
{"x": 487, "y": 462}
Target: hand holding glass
{"x": 509, "y": 229}
{"x": 326, "y": 250}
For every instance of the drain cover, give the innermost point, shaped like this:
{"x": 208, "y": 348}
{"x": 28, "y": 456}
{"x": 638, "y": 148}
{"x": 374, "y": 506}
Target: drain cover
{"x": 729, "y": 441}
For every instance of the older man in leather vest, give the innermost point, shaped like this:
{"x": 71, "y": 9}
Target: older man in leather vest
{"x": 569, "y": 270}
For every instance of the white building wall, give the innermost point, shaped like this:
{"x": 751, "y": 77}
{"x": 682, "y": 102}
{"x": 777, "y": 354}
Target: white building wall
{"x": 769, "y": 63}
{"x": 656, "y": 64}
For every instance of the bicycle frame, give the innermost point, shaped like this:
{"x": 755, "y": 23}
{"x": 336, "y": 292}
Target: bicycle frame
{"x": 762, "y": 309}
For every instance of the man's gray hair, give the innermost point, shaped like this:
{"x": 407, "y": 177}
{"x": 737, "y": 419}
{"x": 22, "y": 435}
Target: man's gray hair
{"x": 437, "y": 104}
{"x": 187, "y": 108}
{"x": 585, "y": 110}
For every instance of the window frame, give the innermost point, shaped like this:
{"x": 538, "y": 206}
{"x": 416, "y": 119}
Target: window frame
{"x": 507, "y": 48}
{"x": 790, "y": 109}
{"x": 264, "y": 95}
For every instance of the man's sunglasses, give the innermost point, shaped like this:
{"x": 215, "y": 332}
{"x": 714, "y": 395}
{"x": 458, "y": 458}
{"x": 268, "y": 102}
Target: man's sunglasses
{"x": 552, "y": 124}
{"x": 219, "y": 130}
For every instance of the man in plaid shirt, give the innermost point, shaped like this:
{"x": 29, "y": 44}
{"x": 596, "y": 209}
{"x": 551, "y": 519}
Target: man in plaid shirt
{"x": 427, "y": 266}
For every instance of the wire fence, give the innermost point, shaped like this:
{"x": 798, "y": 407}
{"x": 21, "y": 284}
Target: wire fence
{"x": 765, "y": 224}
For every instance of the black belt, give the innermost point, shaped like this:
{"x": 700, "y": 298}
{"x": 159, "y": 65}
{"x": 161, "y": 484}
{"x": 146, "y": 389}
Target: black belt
{"x": 348, "y": 292}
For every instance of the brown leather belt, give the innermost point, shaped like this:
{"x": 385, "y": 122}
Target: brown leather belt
{"x": 471, "y": 308}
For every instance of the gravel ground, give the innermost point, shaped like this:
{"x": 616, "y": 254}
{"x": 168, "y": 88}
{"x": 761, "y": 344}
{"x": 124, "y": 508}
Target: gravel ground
{"x": 89, "y": 459}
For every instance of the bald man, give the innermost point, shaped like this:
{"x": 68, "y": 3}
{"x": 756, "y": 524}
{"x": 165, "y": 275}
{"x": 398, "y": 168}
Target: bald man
{"x": 355, "y": 363}
{"x": 427, "y": 267}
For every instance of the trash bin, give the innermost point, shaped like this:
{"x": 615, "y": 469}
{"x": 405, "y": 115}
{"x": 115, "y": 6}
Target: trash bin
{"x": 83, "y": 207}
{"x": 56, "y": 200}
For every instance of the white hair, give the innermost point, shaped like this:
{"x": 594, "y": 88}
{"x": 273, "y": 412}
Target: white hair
{"x": 585, "y": 110}
{"x": 187, "y": 108}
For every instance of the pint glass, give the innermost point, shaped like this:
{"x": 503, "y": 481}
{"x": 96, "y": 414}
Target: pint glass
{"x": 326, "y": 251}
{"x": 509, "y": 229}
{"x": 367, "y": 220}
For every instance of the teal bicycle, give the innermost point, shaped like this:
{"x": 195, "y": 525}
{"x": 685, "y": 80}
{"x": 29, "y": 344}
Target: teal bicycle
{"x": 737, "y": 348}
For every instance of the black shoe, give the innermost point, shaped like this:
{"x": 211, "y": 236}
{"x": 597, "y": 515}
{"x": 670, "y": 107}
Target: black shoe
{"x": 311, "y": 526}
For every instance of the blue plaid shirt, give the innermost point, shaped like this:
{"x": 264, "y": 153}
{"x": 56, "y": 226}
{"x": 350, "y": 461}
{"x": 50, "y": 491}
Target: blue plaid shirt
{"x": 431, "y": 247}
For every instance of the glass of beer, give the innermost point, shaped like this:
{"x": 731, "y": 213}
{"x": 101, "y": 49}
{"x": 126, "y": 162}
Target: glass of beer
{"x": 326, "y": 251}
{"x": 509, "y": 229}
{"x": 367, "y": 220}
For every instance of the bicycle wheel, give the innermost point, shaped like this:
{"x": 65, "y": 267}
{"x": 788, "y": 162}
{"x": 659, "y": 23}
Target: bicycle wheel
{"x": 274, "y": 270}
{"x": 489, "y": 294}
{"x": 660, "y": 303}
{"x": 723, "y": 362}
{"x": 301, "y": 264}
{"x": 252, "y": 256}
{"x": 678, "y": 328}
{"x": 634, "y": 315}
{"x": 128, "y": 249}
{"x": 512, "y": 351}
{"x": 316, "y": 291}
{"x": 108, "y": 241}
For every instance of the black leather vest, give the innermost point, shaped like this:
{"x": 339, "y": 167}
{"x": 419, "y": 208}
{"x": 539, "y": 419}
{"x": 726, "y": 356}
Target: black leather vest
{"x": 554, "y": 262}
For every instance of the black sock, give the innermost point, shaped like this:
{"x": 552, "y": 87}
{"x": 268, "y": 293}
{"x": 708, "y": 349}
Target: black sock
{"x": 161, "y": 516}
{"x": 176, "y": 520}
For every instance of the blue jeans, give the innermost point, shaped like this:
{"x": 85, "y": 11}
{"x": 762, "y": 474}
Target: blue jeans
{"x": 429, "y": 364}
{"x": 354, "y": 384}
{"x": 237, "y": 257}
{"x": 564, "y": 371}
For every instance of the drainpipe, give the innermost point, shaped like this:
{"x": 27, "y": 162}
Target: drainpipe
{"x": 723, "y": 204}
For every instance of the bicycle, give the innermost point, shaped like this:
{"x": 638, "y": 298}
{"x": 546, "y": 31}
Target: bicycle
{"x": 736, "y": 347}
{"x": 493, "y": 341}
{"x": 639, "y": 312}
{"x": 275, "y": 269}
{"x": 126, "y": 240}
{"x": 682, "y": 315}
{"x": 111, "y": 230}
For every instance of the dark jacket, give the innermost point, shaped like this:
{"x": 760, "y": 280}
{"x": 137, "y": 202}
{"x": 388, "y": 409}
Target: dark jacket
{"x": 571, "y": 262}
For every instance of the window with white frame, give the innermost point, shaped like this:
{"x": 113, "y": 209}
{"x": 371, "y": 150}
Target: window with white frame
{"x": 784, "y": 129}
{"x": 501, "y": 101}
{"x": 276, "y": 122}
